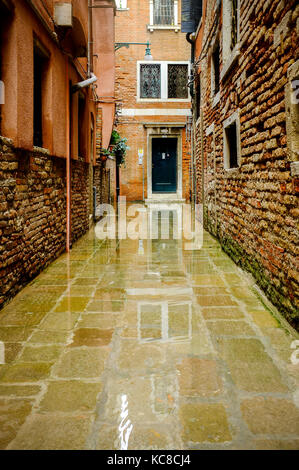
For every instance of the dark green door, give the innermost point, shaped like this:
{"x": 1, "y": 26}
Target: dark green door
{"x": 164, "y": 165}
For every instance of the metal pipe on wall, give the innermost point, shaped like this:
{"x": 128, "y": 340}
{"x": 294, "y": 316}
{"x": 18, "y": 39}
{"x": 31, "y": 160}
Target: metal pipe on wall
{"x": 68, "y": 161}
{"x": 90, "y": 40}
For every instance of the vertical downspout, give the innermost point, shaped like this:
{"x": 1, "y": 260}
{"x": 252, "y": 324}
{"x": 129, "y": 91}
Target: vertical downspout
{"x": 90, "y": 40}
{"x": 89, "y": 71}
{"x": 202, "y": 163}
{"x": 68, "y": 162}
{"x": 193, "y": 173}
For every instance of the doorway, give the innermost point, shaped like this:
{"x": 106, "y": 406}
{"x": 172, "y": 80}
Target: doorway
{"x": 164, "y": 165}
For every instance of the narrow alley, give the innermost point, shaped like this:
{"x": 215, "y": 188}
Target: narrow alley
{"x": 129, "y": 344}
{"x": 149, "y": 243}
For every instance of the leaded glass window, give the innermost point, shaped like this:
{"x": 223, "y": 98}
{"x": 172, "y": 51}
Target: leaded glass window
{"x": 177, "y": 81}
{"x": 163, "y": 12}
{"x": 150, "y": 81}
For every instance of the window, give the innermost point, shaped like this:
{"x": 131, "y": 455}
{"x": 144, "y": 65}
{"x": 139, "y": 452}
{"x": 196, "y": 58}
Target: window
{"x": 230, "y": 31}
{"x": 121, "y": 4}
{"x": 164, "y": 15}
{"x": 163, "y": 80}
{"x": 215, "y": 70}
{"x": 197, "y": 99}
{"x": 231, "y": 138}
{"x": 150, "y": 81}
{"x": 177, "y": 81}
{"x": 163, "y": 12}
{"x": 232, "y": 148}
{"x": 40, "y": 67}
{"x": 81, "y": 110}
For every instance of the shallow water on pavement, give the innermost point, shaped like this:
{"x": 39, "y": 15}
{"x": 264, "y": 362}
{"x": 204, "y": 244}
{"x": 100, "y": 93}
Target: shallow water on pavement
{"x": 125, "y": 344}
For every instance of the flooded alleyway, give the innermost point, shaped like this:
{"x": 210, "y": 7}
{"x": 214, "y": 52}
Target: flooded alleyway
{"x": 126, "y": 344}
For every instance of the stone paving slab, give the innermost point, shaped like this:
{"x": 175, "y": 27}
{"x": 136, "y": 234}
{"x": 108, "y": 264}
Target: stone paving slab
{"x": 174, "y": 346}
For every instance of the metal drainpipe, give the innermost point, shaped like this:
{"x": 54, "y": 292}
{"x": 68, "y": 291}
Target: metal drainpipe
{"x": 90, "y": 40}
{"x": 68, "y": 162}
{"x": 202, "y": 164}
{"x": 193, "y": 164}
{"x": 52, "y": 34}
{"x": 89, "y": 72}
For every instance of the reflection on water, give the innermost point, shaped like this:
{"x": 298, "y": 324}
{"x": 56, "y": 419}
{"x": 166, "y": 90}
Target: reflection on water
{"x": 164, "y": 321}
{"x": 125, "y": 428}
{"x": 164, "y": 396}
{"x": 149, "y": 341}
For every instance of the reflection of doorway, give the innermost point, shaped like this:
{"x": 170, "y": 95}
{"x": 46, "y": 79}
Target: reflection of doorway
{"x": 164, "y": 165}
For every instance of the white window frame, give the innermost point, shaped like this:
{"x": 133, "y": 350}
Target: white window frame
{"x": 229, "y": 57}
{"x": 176, "y": 27}
{"x": 123, "y": 5}
{"x": 164, "y": 81}
{"x": 234, "y": 118}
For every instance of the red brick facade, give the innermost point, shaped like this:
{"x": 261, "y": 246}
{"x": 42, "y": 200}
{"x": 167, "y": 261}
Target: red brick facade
{"x": 169, "y": 44}
{"x": 252, "y": 208}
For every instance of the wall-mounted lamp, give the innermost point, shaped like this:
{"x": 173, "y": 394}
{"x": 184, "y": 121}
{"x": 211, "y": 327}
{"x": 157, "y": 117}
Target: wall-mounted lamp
{"x": 148, "y": 54}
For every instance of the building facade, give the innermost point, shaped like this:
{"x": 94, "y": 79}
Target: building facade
{"x": 245, "y": 120}
{"x": 153, "y": 99}
{"x": 49, "y": 126}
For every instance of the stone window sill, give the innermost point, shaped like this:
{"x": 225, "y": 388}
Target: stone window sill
{"x": 232, "y": 171}
{"x": 230, "y": 62}
{"x": 295, "y": 168}
{"x": 152, "y": 27}
{"x": 216, "y": 99}
{"x": 41, "y": 150}
{"x": 6, "y": 140}
{"x": 163, "y": 100}
{"x": 122, "y": 9}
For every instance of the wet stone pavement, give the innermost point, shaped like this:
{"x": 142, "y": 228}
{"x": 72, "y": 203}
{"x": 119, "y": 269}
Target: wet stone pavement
{"x": 122, "y": 345}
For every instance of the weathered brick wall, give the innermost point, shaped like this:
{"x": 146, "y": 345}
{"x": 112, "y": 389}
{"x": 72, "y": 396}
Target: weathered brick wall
{"x": 81, "y": 206}
{"x": 253, "y": 210}
{"x": 101, "y": 180}
{"x": 33, "y": 213}
{"x": 166, "y": 45}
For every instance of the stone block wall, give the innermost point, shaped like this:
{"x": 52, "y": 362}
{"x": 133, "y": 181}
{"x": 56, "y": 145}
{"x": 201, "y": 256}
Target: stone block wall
{"x": 33, "y": 213}
{"x": 253, "y": 209}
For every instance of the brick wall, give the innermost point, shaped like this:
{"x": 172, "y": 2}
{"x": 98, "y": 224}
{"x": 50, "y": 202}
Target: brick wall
{"x": 101, "y": 180}
{"x": 166, "y": 45}
{"x": 253, "y": 210}
{"x": 33, "y": 213}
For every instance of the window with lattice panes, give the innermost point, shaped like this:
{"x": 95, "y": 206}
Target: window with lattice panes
{"x": 163, "y": 80}
{"x": 150, "y": 81}
{"x": 177, "y": 81}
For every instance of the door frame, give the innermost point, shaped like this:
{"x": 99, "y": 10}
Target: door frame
{"x": 166, "y": 132}
{"x": 176, "y": 165}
